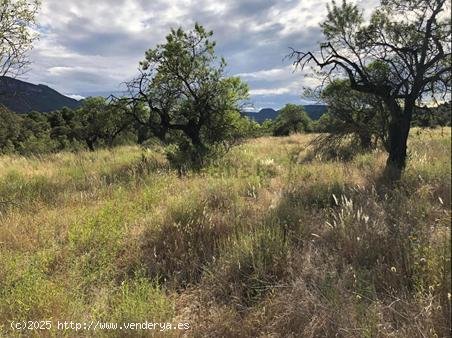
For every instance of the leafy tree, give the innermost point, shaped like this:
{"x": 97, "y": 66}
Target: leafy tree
{"x": 60, "y": 132}
{"x": 243, "y": 128}
{"x": 361, "y": 115}
{"x": 187, "y": 98}
{"x": 291, "y": 119}
{"x": 35, "y": 135}
{"x": 433, "y": 116}
{"x": 10, "y": 129}
{"x": 65, "y": 128}
{"x": 325, "y": 124}
{"x": 16, "y": 17}
{"x": 100, "y": 122}
{"x": 410, "y": 58}
{"x": 267, "y": 127}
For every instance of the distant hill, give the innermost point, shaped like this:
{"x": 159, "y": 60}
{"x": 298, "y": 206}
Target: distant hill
{"x": 23, "y": 97}
{"x": 313, "y": 111}
{"x": 262, "y": 115}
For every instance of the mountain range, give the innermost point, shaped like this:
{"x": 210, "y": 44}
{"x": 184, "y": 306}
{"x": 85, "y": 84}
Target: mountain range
{"x": 314, "y": 112}
{"x": 23, "y": 97}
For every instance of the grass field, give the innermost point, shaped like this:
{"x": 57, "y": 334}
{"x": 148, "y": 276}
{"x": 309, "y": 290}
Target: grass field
{"x": 267, "y": 242}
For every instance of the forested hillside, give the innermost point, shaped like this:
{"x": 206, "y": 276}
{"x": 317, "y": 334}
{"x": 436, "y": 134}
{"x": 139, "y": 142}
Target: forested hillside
{"x": 23, "y": 97}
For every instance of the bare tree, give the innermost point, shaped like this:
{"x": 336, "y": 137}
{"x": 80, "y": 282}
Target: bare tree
{"x": 16, "y": 36}
{"x": 401, "y": 55}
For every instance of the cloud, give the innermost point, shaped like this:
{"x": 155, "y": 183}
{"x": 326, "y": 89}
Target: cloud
{"x": 275, "y": 73}
{"x": 93, "y": 46}
{"x": 271, "y": 91}
{"x": 75, "y": 97}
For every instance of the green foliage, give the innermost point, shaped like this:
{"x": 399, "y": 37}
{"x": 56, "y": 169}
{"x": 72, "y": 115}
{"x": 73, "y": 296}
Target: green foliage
{"x": 10, "y": 130}
{"x": 341, "y": 19}
{"x": 399, "y": 61}
{"x": 188, "y": 99}
{"x": 98, "y": 123}
{"x": 291, "y": 119}
{"x": 433, "y": 116}
{"x": 267, "y": 127}
{"x": 325, "y": 124}
{"x": 351, "y": 113}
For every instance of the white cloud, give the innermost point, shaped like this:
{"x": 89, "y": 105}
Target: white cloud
{"x": 275, "y": 73}
{"x": 75, "y": 96}
{"x": 271, "y": 91}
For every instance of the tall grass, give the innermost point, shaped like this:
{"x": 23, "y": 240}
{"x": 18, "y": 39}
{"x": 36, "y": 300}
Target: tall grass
{"x": 267, "y": 241}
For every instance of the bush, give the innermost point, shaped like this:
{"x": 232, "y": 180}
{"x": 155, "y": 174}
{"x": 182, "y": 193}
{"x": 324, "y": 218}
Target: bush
{"x": 351, "y": 114}
{"x": 334, "y": 148}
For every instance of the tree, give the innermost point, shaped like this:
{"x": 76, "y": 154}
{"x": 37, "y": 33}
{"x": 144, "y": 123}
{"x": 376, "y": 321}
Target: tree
{"x": 16, "y": 37}
{"x": 291, "y": 119}
{"x": 402, "y": 55}
{"x": 350, "y": 112}
{"x": 433, "y": 116}
{"x": 267, "y": 126}
{"x": 35, "y": 135}
{"x": 100, "y": 122}
{"x": 10, "y": 130}
{"x": 185, "y": 93}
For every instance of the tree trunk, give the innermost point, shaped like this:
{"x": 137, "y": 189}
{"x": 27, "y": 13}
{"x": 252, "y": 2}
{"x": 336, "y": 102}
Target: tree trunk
{"x": 159, "y": 132}
{"x": 199, "y": 149}
{"x": 90, "y": 143}
{"x": 366, "y": 140}
{"x": 399, "y": 129}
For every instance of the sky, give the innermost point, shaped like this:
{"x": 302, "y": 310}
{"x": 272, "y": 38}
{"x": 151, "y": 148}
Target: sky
{"x": 90, "y": 47}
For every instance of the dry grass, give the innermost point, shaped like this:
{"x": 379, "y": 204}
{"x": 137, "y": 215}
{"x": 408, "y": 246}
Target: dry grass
{"x": 267, "y": 242}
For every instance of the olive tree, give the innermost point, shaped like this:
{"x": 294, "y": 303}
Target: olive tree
{"x": 408, "y": 43}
